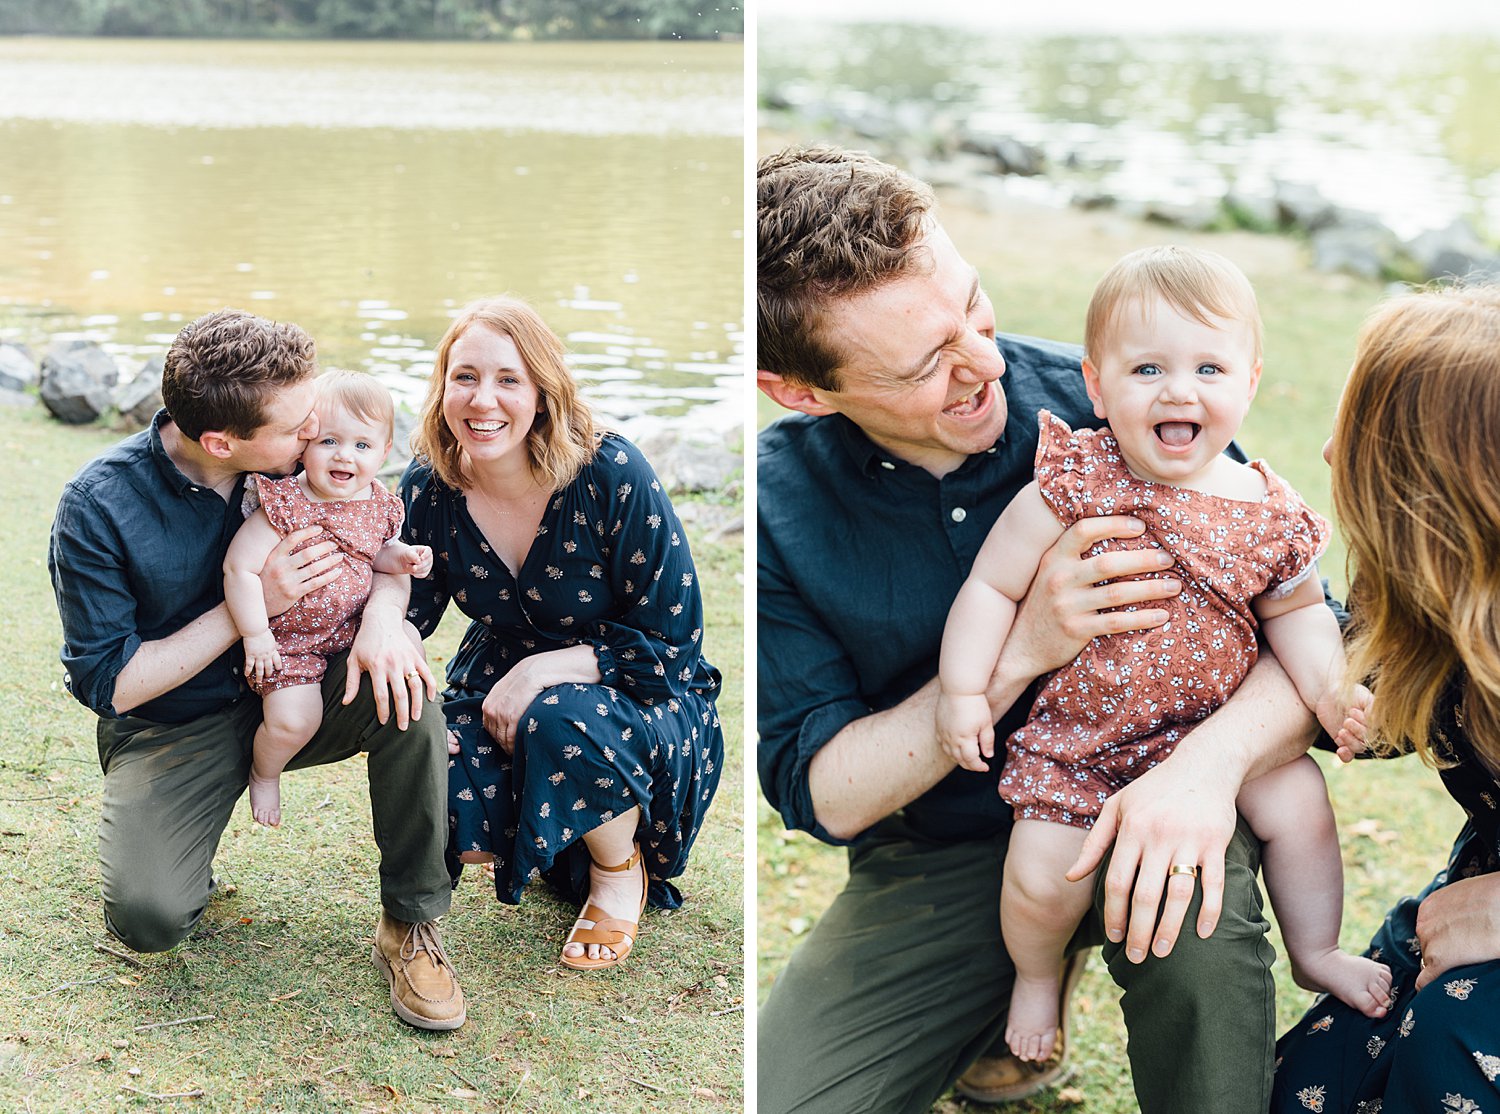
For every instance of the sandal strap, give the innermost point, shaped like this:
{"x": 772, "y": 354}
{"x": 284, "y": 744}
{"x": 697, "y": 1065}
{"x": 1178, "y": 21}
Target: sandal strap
{"x": 628, "y": 864}
{"x": 605, "y": 932}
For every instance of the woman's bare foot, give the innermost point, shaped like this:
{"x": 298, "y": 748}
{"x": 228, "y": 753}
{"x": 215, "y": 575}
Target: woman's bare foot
{"x": 1359, "y": 983}
{"x": 265, "y": 800}
{"x": 617, "y": 894}
{"x": 1031, "y": 1029}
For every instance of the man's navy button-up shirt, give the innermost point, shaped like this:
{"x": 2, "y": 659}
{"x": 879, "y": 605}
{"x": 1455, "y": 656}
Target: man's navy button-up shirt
{"x": 860, "y": 557}
{"x": 137, "y": 553}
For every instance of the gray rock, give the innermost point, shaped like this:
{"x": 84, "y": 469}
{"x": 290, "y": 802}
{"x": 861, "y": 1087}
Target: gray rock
{"x": 1356, "y": 248}
{"x": 1303, "y": 206}
{"x": 1196, "y": 215}
{"x": 16, "y": 400}
{"x": 1009, "y": 155}
{"x": 77, "y": 377}
{"x": 1452, "y": 252}
{"x": 1252, "y": 210}
{"x": 140, "y": 399}
{"x": 17, "y": 369}
{"x": 685, "y": 462}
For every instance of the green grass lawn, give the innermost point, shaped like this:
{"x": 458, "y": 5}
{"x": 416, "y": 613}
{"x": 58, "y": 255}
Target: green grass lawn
{"x": 1039, "y": 267}
{"x": 278, "y": 1004}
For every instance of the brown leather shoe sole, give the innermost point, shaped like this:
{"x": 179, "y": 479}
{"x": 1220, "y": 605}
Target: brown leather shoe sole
{"x": 416, "y": 1020}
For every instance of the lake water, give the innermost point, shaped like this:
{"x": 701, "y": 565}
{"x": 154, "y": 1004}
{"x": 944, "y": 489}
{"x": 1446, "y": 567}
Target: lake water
{"x": 1398, "y": 124}
{"x": 367, "y": 190}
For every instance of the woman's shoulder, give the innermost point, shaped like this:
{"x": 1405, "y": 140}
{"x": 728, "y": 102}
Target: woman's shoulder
{"x": 617, "y": 460}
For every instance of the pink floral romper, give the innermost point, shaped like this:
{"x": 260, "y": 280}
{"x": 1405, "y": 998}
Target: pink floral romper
{"x": 1121, "y": 706}
{"x": 324, "y": 622}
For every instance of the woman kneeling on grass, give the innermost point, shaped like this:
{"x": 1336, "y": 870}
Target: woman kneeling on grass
{"x": 1417, "y": 490}
{"x": 585, "y": 742}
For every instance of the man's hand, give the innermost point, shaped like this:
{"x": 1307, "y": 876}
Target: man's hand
{"x": 262, "y": 658}
{"x": 966, "y": 730}
{"x": 1063, "y": 611}
{"x": 389, "y": 649}
{"x": 1178, "y": 813}
{"x": 286, "y": 576}
{"x": 1459, "y": 924}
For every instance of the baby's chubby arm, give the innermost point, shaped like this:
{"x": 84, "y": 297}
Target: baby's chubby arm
{"x": 1307, "y": 641}
{"x": 400, "y": 559}
{"x": 980, "y": 621}
{"x": 245, "y": 597}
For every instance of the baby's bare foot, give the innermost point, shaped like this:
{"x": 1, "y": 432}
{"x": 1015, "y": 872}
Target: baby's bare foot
{"x": 1359, "y": 983}
{"x": 265, "y": 800}
{"x": 1031, "y": 1029}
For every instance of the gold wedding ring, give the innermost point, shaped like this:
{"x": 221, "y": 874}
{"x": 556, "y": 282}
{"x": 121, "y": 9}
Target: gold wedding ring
{"x": 412, "y": 674}
{"x": 1183, "y": 868}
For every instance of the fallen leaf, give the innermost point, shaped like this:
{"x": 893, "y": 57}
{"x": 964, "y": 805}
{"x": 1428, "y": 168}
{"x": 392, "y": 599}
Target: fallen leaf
{"x": 126, "y": 980}
{"x": 443, "y": 1050}
{"x": 703, "y": 1093}
{"x": 463, "y": 1093}
{"x": 133, "y": 1072}
{"x": 246, "y": 920}
{"x": 284, "y": 997}
{"x": 582, "y": 1094}
{"x": 1072, "y": 1096}
{"x": 120, "y": 1042}
{"x": 104, "y": 1057}
{"x": 720, "y": 981}
{"x": 797, "y": 926}
{"x": 1371, "y": 829}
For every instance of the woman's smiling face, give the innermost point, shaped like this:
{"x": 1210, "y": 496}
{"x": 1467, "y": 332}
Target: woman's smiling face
{"x": 489, "y": 397}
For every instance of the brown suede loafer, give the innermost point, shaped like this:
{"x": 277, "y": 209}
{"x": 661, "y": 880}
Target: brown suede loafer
{"x": 424, "y": 990}
{"x": 992, "y": 1080}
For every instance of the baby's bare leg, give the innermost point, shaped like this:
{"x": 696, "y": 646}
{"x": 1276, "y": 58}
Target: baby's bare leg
{"x": 1039, "y": 910}
{"x": 1288, "y": 810}
{"x": 291, "y": 717}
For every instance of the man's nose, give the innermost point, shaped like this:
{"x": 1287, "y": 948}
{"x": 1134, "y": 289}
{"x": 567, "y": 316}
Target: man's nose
{"x": 982, "y": 362}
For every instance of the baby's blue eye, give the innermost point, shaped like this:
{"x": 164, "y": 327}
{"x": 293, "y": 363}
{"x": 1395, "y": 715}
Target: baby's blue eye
{"x": 1209, "y": 369}
{"x": 362, "y": 445}
{"x": 1148, "y": 369}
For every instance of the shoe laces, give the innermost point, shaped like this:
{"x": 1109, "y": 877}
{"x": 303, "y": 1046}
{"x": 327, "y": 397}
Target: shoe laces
{"x": 423, "y": 937}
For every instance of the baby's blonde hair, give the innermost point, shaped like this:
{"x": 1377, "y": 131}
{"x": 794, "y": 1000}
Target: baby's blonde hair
{"x": 360, "y": 394}
{"x": 1200, "y": 284}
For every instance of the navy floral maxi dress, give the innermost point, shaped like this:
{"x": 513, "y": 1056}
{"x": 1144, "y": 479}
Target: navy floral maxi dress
{"x": 610, "y": 568}
{"x": 1437, "y": 1050}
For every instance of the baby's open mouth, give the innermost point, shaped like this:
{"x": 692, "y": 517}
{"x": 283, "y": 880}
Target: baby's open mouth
{"x": 1177, "y": 435}
{"x": 969, "y": 403}
{"x": 341, "y": 477}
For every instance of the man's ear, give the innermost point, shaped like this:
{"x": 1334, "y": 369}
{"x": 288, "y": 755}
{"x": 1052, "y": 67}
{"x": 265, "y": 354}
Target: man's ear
{"x": 1091, "y": 383}
{"x": 793, "y": 396}
{"x": 216, "y": 443}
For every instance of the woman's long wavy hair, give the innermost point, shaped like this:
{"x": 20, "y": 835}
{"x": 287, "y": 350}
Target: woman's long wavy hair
{"x": 562, "y": 439}
{"x": 1417, "y": 491}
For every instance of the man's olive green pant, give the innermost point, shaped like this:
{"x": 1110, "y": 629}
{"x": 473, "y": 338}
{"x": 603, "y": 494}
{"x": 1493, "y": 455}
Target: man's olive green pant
{"x": 169, "y": 790}
{"x": 905, "y": 981}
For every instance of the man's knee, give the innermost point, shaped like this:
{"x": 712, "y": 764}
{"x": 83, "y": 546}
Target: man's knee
{"x": 148, "y": 921}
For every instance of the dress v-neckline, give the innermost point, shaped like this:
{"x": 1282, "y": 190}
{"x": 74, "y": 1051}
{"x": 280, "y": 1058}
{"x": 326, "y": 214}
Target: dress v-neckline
{"x": 494, "y": 550}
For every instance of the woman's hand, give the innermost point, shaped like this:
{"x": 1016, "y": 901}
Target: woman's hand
{"x": 286, "y": 576}
{"x": 513, "y": 693}
{"x": 1459, "y": 924}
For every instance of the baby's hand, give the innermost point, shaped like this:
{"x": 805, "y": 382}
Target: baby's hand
{"x": 1352, "y": 737}
{"x": 965, "y": 730}
{"x": 262, "y": 658}
{"x": 417, "y": 561}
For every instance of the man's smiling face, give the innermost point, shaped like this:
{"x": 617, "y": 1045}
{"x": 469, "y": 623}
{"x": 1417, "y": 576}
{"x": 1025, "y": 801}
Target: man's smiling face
{"x": 919, "y": 365}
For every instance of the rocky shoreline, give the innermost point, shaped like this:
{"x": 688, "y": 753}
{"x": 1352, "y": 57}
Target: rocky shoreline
{"x": 79, "y": 383}
{"x": 949, "y": 153}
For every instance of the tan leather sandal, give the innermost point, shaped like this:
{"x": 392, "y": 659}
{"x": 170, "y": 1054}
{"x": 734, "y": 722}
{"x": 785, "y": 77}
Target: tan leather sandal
{"x": 613, "y": 932}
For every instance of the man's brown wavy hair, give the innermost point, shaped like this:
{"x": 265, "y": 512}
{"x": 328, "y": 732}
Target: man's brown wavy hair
{"x": 222, "y": 369}
{"x": 1418, "y": 495}
{"x": 830, "y": 223}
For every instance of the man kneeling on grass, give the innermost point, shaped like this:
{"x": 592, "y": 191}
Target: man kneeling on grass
{"x": 136, "y": 556}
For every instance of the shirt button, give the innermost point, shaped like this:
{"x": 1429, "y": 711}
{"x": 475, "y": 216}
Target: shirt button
{"x": 888, "y": 465}
{"x": 192, "y": 489}
{"x": 959, "y": 514}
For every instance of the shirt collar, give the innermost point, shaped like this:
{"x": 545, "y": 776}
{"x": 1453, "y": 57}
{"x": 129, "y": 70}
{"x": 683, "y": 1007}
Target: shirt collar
{"x": 872, "y": 460}
{"x": 174, "y": 477}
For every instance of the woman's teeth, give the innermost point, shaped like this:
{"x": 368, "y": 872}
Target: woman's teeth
{"x": 485, "y": 427}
